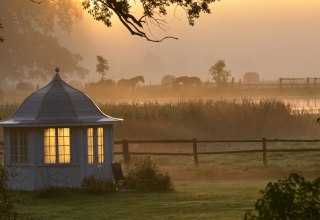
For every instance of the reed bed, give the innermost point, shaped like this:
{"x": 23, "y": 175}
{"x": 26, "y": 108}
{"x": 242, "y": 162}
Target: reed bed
{"x": 206, "y": 119}
{"x": 210, "y": 119}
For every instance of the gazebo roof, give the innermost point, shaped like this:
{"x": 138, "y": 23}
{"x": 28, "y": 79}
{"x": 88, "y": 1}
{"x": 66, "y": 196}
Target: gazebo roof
{"x": 58, "y": 104}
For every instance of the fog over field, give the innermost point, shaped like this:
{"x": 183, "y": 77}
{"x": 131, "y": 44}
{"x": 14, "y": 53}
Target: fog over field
{"x": 274, "y": 38}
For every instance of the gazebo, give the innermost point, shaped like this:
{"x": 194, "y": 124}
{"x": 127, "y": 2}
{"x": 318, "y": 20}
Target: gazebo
{"x": 57, "y": 137}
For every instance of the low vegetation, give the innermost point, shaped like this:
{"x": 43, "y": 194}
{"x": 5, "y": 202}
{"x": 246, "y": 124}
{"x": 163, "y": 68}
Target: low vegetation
{"x": 237, "y": 119}
{"x": 96, "y": 186}
{"x": 291, "y": 198}
{"x": 8, "y": 199}
{"x": 146, "y": 176}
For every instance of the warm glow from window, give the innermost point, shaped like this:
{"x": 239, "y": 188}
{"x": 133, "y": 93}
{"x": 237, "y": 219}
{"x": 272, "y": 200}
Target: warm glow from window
{"x": 90, "y": 145}
{"x": 100, "y": 145}
{"x": 56, "y": 152}
{"x": 64, "y": 145}
{"x": 49, "y": 145}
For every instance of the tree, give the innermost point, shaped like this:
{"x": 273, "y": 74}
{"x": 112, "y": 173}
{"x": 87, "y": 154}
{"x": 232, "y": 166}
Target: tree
{"x": 1, "y": 37}
{"x": 291, "y": 198}
{"x": 219, "y": 74}
{"x": 102, "y": 66}
{"x": 30, "y": 49}
{"x": 7, "y": 207}
{"x": 152, "y": 12}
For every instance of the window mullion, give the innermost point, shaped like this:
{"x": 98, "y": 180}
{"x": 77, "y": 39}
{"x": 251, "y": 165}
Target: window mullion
{"x": 57, "y": 145}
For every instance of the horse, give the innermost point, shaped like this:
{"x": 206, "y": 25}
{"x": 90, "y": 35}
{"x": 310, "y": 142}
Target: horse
{"x": 130, "y": 83}
{"x": 187, "y": 81}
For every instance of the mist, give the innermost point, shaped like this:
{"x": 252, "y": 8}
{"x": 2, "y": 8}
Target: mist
{"x": 275, "y": 39}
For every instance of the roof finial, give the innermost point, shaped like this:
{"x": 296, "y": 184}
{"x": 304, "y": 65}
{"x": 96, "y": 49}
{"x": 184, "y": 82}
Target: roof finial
{"x": 57, "y": 70}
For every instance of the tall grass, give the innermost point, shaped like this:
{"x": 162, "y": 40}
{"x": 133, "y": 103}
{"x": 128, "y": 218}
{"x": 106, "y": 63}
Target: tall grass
{"x": 237, "y": 119}
{"x": 210, "y": 119}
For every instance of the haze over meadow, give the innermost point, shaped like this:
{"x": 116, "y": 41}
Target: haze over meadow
{"x": 274, "y": 38}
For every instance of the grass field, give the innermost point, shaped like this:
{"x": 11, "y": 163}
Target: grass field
{"x": 197, "y": 199}
{"x": 221, "y": 187}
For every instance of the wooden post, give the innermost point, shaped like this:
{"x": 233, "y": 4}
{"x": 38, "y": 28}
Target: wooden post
{"x": 125, "y": 151}
{"x": 195, "y": 152}
{"x": 264, "y": 151}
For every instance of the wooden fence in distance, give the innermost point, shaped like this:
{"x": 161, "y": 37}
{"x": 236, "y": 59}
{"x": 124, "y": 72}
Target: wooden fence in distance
{"x": 195, "y": 153}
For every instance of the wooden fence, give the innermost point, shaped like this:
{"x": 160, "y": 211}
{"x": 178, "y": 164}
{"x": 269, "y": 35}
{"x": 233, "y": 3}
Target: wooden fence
{"x": 195, "y": 153}
{"x": 281, "y": 83}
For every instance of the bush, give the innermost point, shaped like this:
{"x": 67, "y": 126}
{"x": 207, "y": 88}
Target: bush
{"x": 146, "y": 176}
{"x": 292, "y": 198}
{"x": 7, "y": 198}
{"x": 95, "y": 186}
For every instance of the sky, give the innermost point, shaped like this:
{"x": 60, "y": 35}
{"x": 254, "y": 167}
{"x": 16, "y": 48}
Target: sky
{"x": 273, "y": 38}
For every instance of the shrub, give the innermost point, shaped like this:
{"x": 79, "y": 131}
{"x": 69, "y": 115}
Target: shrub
{"x": 292, "y": 198}
{"x": 7, "y": 206}
{"x": 96, "y": 186}
{"x": 146, "y": 176}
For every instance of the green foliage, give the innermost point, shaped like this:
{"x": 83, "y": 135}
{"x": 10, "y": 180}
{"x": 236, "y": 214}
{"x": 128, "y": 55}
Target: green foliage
{"x": 96, "y": 186}
{"x": 146, "y": 176}
{"x": 219, "y": 74}
{"x": 7, "y": 206}
{"x": 292, "y": 198}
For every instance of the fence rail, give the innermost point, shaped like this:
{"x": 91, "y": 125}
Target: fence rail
{"x": 194, "y": 147}
{"x": 195, "y": 153}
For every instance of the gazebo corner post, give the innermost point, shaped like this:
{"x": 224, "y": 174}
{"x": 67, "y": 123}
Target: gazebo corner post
{"x": 264, "y": 151}
{"x": 125, "y": 151}
{"x": 195, "y": 152}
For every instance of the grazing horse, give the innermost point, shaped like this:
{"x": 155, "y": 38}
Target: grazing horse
{"x": 187, "y": 81}
{"x": 130, "y": 83}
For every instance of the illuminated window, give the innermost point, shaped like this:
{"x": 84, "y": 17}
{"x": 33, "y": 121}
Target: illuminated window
{"x": 90, "y": 145}
{"x": 100, "y": 145}
{"x": 19, "y": 145}
{"x": 56, "y": 145}
{"x": 95, "y": 145}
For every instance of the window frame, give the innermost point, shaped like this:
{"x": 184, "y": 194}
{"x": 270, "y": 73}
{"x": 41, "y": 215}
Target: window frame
{"x": 61, "y": 146}
{"x": 19, "y": 135}
{"x": 95, "y": 146}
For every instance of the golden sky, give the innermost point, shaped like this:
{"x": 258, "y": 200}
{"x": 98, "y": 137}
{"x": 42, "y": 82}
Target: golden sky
{"x": 274, "y": 38}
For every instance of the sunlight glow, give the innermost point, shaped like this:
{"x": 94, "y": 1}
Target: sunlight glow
{"x": 51, "y": 146}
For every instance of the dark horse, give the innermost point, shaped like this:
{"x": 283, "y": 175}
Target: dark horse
{"x": 187, "y": 81}
{"x": 130, "y": 83}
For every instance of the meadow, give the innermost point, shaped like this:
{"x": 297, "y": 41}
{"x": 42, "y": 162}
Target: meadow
{"x": 221, "y": 187}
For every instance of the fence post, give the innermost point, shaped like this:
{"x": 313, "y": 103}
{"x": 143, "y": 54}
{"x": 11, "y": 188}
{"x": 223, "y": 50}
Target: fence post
{"x": 264, "y": 151}
{"x": 125, "y": 151}
{"x": 195, "y": 152}
{"x": 232, "y": 83}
